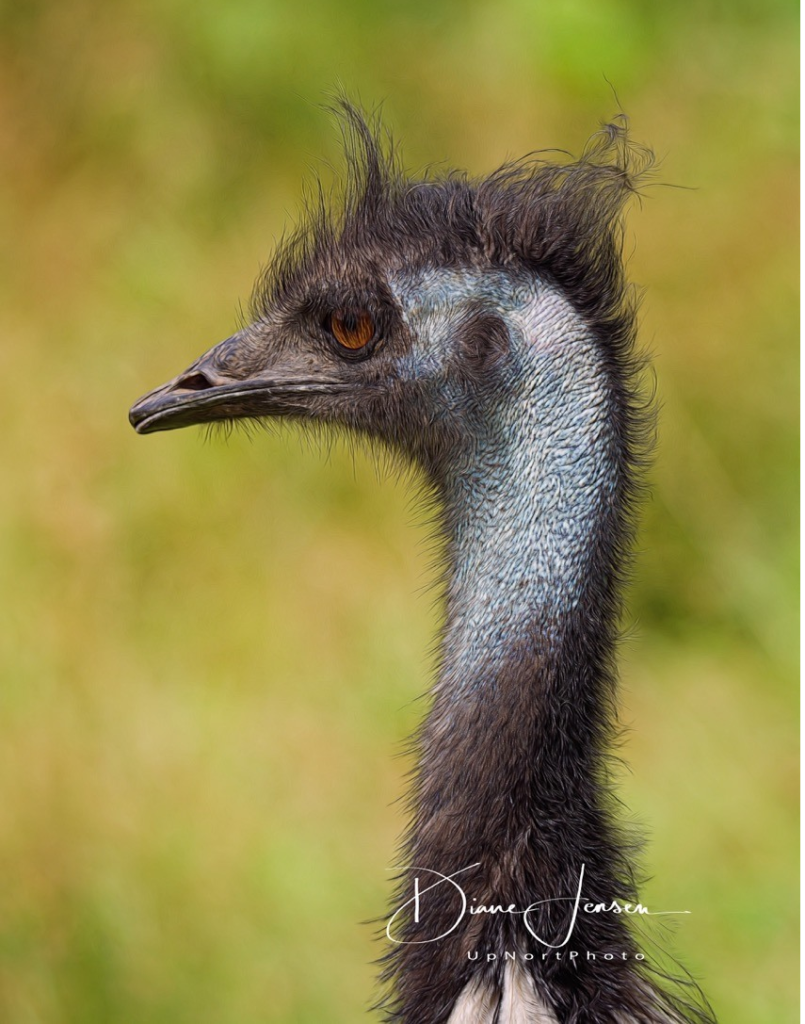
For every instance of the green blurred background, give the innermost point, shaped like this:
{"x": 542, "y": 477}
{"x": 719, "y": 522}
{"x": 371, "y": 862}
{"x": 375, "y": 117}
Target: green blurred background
{"x": 211, "y": 651}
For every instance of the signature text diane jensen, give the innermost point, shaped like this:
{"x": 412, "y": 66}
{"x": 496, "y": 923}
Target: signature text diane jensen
{"x": 417, "y": 911}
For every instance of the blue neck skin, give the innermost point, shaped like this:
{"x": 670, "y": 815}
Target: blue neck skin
{"x": 524, "y": 497}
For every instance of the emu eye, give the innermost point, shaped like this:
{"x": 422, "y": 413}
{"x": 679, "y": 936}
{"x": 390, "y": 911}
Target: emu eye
{"x": 352, "y": 328}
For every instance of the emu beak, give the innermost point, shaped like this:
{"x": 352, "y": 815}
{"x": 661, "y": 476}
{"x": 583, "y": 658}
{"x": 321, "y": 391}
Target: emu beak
{"x": 220, "y": 386}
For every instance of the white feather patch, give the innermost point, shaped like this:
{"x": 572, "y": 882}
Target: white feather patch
{"x": 520, "y": 1003}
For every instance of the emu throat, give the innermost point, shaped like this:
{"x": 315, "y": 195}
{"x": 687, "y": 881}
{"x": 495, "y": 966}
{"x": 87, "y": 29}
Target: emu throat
{"x": 527, "y": 494}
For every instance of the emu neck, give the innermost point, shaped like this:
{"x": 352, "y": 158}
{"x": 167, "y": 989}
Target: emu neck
{"x": 511, "y": 755}
{"x": 527, "y": 517}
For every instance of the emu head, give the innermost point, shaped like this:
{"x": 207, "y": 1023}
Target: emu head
{"x": 409, "y": 313}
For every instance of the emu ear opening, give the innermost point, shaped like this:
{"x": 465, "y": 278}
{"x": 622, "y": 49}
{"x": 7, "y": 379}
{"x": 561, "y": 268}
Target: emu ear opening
{"x": 483, "y": 340}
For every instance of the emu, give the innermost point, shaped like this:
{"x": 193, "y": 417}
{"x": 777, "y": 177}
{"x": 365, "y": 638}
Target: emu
{"x": 483, "y": 331}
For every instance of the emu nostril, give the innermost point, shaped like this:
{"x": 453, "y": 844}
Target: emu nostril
{"x": 193, "y": 382}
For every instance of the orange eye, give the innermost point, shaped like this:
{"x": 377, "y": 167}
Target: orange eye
{"x": 352, "y": 328}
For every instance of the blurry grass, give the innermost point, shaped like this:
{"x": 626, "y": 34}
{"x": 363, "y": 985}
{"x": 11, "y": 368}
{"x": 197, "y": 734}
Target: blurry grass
{"x": 211, "y": 651}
